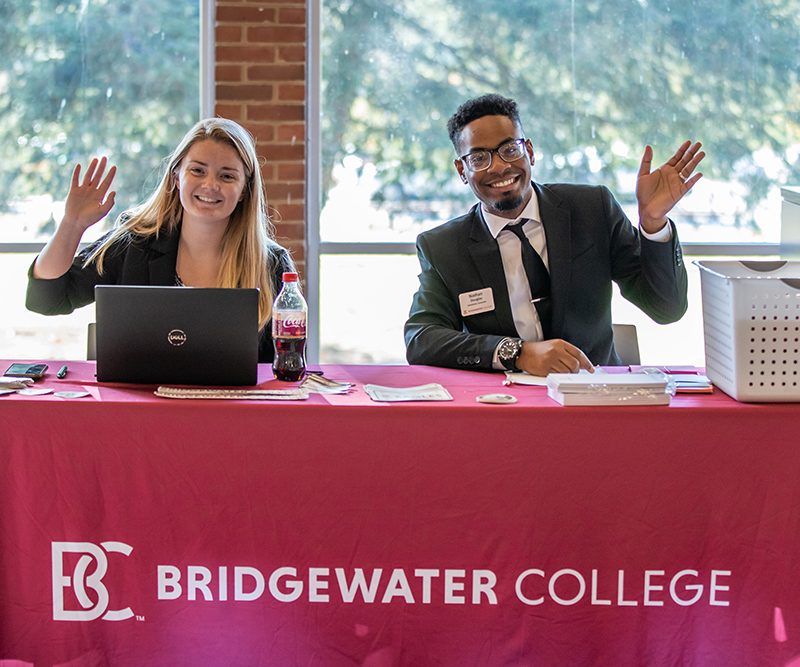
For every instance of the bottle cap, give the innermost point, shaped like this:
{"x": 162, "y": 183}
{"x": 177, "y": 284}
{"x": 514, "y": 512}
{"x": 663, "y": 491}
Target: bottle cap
{"x": 289, "y": 277}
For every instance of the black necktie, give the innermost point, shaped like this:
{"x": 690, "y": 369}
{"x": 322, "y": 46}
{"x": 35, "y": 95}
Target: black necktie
{"x": 538, "y": 277}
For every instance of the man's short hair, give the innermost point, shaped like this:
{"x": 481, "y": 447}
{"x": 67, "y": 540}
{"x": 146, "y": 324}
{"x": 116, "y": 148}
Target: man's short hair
{"x": 478, "y": 107}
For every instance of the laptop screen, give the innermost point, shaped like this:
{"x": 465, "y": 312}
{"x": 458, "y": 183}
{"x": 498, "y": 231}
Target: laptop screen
{"x": 177, "y": 335}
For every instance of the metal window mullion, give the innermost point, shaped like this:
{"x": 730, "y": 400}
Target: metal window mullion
{"x": 207, "y": 58}
{"x": 313, "y": 174}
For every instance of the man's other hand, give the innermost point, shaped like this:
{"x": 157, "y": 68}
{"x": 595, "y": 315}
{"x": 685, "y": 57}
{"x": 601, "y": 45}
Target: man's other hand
{"x": 658, "y": 191}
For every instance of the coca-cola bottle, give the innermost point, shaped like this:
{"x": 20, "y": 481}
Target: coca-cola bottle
{"x": 289, "y": 313}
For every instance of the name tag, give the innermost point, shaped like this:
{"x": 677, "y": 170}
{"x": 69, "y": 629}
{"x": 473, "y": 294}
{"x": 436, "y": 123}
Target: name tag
{"x": 479, "y": 301}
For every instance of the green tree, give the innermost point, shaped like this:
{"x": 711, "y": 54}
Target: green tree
{"x": 84, "y": 78}
{"x": 595, "y": 81}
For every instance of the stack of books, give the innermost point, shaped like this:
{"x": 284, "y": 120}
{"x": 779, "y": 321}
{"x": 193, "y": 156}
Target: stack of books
{"x": 609, "y": 388}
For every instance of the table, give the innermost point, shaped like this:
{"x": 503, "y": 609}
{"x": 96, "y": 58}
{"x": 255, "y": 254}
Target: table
{"x": 336, "y": 531}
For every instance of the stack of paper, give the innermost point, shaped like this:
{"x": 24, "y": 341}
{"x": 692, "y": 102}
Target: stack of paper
{"x": 692, "y": 384}
{"x": 425, "y": 392}
{"x": 316, "y": 383}
{"x": 14, "y": 382}
{"x": 687, "y": 379}
{"x": 608, "y": 388}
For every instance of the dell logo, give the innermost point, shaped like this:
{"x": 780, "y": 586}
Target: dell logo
{"x": 176, "y": 337}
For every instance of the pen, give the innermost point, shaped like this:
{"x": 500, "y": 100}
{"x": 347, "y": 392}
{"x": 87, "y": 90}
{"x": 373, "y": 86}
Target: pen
{"x": 62, "y": 373}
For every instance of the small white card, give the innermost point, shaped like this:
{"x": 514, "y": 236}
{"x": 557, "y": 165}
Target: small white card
{"x": 479, "y": 301}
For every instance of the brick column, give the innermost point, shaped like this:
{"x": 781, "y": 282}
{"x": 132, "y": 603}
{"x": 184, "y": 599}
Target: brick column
{"x": 260, "y": 83}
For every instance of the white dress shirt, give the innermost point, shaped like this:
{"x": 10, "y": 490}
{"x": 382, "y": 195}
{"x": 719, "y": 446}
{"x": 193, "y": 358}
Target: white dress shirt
{"x": 526, "y": 319}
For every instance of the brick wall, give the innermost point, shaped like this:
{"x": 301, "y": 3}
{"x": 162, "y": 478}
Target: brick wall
{"x": 260, "y": 83}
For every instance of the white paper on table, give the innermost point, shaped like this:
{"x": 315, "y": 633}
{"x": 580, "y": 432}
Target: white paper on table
{"x": 15, "y": 382}
{"x": 521, "y": 377}
{"x": 425, "y": 392}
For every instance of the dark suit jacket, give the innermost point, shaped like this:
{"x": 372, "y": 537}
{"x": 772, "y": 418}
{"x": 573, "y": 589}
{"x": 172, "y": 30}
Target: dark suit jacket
{"x": 142, "y": 261}
{"x": 590, "y": 242}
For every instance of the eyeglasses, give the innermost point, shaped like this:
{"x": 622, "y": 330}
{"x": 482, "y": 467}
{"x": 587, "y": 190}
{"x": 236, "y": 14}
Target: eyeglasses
{"x": 481, "y": 160}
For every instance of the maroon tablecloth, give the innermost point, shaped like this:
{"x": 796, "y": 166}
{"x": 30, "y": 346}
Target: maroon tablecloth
{"x": 337, "y": 531}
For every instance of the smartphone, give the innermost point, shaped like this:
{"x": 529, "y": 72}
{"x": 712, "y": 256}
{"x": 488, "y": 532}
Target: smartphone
{"x": 34, "y": 371}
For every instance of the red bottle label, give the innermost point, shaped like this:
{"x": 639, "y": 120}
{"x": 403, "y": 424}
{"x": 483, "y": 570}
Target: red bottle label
{"x": 288, "y": 326}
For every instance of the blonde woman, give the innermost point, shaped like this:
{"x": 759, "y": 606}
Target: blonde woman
{"x": 205, "y": 225}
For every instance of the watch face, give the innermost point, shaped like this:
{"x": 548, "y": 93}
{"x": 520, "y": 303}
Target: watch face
{"x": 510, "y": 348}
{"x": 508, "y": 352}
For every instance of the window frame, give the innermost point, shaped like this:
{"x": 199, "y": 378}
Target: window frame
{"x": 315, "y": 247}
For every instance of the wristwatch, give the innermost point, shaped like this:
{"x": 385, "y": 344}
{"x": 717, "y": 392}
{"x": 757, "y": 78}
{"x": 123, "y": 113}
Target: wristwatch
{"x": 508, "y": 352}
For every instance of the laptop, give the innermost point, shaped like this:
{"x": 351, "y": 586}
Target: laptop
{"x": 177, "y": 335}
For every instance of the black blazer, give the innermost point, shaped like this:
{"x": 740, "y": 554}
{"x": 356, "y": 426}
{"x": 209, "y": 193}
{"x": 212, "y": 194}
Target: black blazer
{"x": 590, "y": 242}
{"x": 140, "y": 261}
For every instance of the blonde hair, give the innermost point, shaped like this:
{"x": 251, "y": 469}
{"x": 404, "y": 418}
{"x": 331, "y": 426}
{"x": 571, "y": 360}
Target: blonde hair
{"x": 248, "y": 248}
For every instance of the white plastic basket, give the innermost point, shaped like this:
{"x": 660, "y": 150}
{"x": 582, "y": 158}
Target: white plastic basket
{"x": 751, "y": 324}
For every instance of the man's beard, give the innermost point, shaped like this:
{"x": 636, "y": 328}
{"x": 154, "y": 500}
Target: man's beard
{"x": 508, "y": 203}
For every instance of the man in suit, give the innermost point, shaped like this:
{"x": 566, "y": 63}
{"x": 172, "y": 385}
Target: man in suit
{"x": 523, "y": 280}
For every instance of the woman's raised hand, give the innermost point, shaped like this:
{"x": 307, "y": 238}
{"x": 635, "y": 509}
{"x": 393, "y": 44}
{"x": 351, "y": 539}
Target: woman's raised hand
{"x": 87, "y": 202}
{"x": 89, "y": 199}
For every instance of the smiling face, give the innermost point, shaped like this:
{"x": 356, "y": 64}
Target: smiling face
{"x": 211, "y": 181}
{"x": 505, "y": 187}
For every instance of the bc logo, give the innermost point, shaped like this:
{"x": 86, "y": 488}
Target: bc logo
{"x": 80, "y": 581}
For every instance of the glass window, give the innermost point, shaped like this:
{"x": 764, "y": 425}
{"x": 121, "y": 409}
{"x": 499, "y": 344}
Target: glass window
{"x": 26, "y": 335}
{"x": 79, "y": 79}
{"x": 365, "y": 301}
{"x": 595, "y": 83}
{"x": 362, "y": 311}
